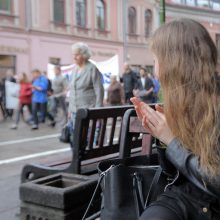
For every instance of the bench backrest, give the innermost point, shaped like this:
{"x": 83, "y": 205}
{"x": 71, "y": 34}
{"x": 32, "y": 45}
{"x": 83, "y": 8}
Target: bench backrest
{"x": 132, "y": 129}
{"x": 96, "y": 134}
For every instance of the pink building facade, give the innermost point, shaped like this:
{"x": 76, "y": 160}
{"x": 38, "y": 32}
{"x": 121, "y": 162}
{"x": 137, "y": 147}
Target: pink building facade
{"x": 207, "y": 12}
{"x": 34, "y": 33}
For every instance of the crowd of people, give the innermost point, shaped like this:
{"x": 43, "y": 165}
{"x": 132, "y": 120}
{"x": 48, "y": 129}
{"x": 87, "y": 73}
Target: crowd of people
{"x": 38, "y": 94}
{"x": 43, "y": 96}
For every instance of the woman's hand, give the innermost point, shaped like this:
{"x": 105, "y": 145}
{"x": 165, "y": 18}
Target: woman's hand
{"x": 137, "y": 106}
{"x": 153, "y": 121}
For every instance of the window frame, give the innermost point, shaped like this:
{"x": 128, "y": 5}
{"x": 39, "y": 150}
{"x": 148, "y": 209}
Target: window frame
{"x": 147, "y": 22}
{"x": 12, "y": 66}
{"x": 54, "y": 12}
{"x": 101, "y": 26}
{"x": 81, "y": 13}
{"x": 132, "y": 21}
{"x": 9, "y": 10}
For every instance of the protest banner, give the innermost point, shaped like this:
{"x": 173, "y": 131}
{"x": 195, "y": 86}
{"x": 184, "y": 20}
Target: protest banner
{"x": 12, "y": 94}
{"x": 107, "y": 68}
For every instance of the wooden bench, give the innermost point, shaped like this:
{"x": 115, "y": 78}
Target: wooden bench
{"x": 85, "y": 153}
{"x": 132, "y": 131}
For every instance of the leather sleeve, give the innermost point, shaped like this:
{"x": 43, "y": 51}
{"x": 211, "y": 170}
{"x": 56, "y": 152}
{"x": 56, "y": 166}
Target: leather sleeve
{"x": 188, "y": 165}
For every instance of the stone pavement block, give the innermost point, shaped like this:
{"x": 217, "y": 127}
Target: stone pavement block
{"x": 9, "y": 205}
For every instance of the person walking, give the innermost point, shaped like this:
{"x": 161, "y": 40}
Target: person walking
{"x": 39, "y": 97}
{"x": 156, "y": 91}
{"x": 50, "y": 102}
{"x": 144, "y": 87}
{"x": 59, "y": 86}
{"x": 2, "y": 105}
{"x": 25, "y": 94}
{"x": 188, "y": 123}
{"x": 129, "y": 79}
{"x": 115, "y": 95}
{"x": 86, "y": 88}
{"x": 9, "y": 77}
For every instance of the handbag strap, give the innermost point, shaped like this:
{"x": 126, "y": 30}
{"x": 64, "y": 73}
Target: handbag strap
{"x": 93, "y": 197}
{"x": 102, "y": 175}
{"x": 138, "y": 194}
{"x": 138, "y": 190}
{"x": 153, "y": 185}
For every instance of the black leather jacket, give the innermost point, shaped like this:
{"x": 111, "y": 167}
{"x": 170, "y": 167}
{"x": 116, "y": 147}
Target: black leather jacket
{"x": 188, "y": 165}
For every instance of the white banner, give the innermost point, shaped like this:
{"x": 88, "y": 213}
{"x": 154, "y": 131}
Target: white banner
{"x": 12, "y": 94}
{"x": 107, "y": 68}
{"x": 66, "y": 71}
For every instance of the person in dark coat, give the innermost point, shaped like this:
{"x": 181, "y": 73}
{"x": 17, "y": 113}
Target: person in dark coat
{"x": 144, "y": 87}
{"x": 115, "y": 94}
{"x": 2, "y": 105}
{"x": 129, "y": 79}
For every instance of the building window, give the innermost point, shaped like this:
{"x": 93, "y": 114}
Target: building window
{"x": 54, "y": 60}
{"x": 7, "y": 62}
{"x": 58, "y": 11}
{"x": 190, "y": 2}
{"x": 100, "y": 14}
{"x": 215, "y": 4}
{"x": 81, "y": 13}
{"x": 177, "y": 1}
{"x": 148, "y": 22}
{"x": 132, "y": 20}
{"x": 5, "y": 6}
{"x": 203, "y": 3}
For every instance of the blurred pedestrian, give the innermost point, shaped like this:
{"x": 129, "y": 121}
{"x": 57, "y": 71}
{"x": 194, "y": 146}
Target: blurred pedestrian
{"x": 9, "y": 77}
{"x": 25, "y": 95}
{"x": 129, "y": 79}
{"x": 144, "y": 87}
{"x": 39, "y": 97}
{"x": 59, "y": 86}
{"x": 156, "y": 83}
{"x": 86, "y": 88}
{"x": 115, "y": 94}
{"x": 2, "y": 105}
{"x": 50, "y": 101}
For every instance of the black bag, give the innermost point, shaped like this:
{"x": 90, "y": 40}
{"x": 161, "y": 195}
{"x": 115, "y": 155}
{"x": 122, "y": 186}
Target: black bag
{"x": 129, "y": 185}
{"x": 65, "y": 134}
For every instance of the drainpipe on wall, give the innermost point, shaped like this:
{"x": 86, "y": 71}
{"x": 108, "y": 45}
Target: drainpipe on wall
{"x": 162, "y": 12}
{"x": 28, "y": 15}
{"x": 125, "y": 29}
{"x": 28, "y": 26}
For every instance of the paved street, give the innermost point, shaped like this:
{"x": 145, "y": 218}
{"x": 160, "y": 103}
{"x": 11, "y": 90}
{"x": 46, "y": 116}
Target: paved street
{"x": 19, "y": 147}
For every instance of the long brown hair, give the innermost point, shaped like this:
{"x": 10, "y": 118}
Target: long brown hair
{"x": 24, "y": 78}
{"x": 187, "y": 60}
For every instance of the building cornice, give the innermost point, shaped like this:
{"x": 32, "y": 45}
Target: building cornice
{"x": 197, "y": 13}
{"x": 58, "y": 36}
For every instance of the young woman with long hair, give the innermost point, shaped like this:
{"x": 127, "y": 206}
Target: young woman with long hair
{"x": 189, "y": 121}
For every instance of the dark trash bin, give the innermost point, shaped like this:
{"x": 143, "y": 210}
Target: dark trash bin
{"x": 57, "y": 197}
